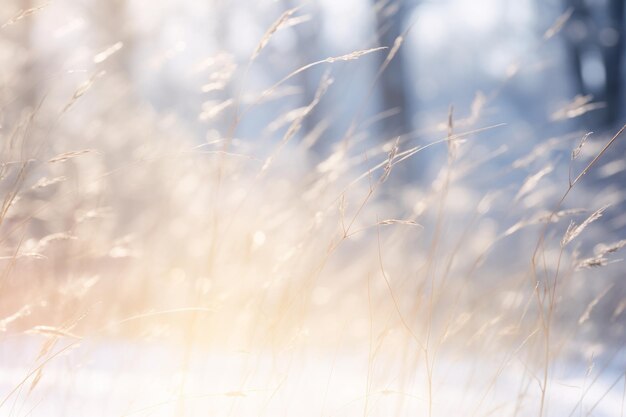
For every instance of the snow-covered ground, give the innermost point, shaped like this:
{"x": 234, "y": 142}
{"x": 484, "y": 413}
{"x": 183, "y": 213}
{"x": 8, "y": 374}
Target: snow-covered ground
{"x": 109, "y": 378}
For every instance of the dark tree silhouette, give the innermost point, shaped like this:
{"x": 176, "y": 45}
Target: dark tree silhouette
{"x": 596, "y": 33}
{"x": 307, "y": 51}
{"x": 390, "y": 15}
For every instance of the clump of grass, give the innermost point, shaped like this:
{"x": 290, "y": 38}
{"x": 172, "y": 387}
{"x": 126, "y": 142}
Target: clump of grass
{"x": 118, "y": 227}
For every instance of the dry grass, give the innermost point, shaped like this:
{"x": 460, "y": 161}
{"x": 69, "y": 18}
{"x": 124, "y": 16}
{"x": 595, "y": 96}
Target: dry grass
{"x": 262, "y": 279}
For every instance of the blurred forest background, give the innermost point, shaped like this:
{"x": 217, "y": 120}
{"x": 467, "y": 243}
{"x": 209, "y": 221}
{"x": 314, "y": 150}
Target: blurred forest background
{"x": 160, "y": 53}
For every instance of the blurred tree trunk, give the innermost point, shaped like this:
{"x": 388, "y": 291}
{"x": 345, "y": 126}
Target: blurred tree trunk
{"x": 577, "y": 40}
{"x": 390, "y": 16}
{"x": 595, "y": 35}
{"x": 613, "y": 47}
{"x": 306, "y": 50}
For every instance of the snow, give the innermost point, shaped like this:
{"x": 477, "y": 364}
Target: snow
{"x": 117, "y": 378}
